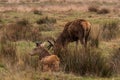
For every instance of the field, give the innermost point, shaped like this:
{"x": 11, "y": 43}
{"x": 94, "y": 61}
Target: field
{"x": 24, "y": 23}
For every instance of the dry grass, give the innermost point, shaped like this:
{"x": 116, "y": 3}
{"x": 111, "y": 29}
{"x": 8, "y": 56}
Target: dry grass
{"x": 116, "y": 60}
{"x": 110, "y": 30}
{"x": 21, "y": 30}
{"x": 103, "y": 11}
{"x": 46, "y": 20}
{"x": 91, "y": 62}
{"x": 95, "y": 36}
{"x": 8, "y": 51}
{"x": 93, "y": 8}
{"x": 37, "y": 12}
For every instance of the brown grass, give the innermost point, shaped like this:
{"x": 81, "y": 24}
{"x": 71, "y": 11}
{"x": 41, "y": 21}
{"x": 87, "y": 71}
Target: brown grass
{"x": 21, "y": 30}
{"x": 91, "y": 62}
{"x": 110, "y": 30}
{"x": 116, "y": 60}
{"x": 8, "y": 51}
{"x": 93, "y": 8}
{"x": 103, "y": 11}
{"x": 46, "y": 20}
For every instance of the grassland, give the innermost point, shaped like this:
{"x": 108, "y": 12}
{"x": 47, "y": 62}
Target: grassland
{"x": 25, "y": 67}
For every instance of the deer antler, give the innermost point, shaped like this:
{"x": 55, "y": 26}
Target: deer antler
{"x": 51, "y": 44}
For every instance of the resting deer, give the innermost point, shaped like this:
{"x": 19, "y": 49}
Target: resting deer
{"x": 49, "y": 61}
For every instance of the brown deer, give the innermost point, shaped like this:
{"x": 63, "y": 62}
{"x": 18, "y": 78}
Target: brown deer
{"x": 73, "y": 31}
{"x": 49, "y": 61}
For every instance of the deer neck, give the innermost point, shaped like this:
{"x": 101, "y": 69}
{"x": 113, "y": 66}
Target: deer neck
{"x": 43, "y": 54}
{"x": 61, "y": 41}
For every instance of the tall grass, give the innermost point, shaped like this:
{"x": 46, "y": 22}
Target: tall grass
{"x": 37, "y": 12}
{"x": 89, "y": 62}
{"x": 111, "y": 30}
{"x": 95, "y": 36}
{"x": 96, "y": 9}
{"x": 8, "y": 51}
{"x": 21, "y": 30}
{"x": 103, "y": 11}
{"x": 12, "y": 59}
{"x": 93, "y": 8}
{"x": 115, "y": 58}
{"x": 46, "y": 20}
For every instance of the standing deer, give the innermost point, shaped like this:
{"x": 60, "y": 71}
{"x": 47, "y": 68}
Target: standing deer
{"x": 73, "y": 31}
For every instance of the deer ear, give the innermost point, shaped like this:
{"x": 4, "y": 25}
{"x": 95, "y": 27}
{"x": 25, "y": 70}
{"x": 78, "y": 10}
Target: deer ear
{"x": 38, "y": 44}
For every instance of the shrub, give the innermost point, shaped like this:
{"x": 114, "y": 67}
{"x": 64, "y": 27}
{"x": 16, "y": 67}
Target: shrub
{"x": 23, "y": 22}
{"x": 110, "y": 30}
{"x": 103, "y": 11}
{"x": 45, "y": 27}
{"x": 116, "y": 60}
{"x": 28, "y": 62}
{"x": 95, "y": 36}
{"x": 37, "y": 12}
{"x": 93, "y": 8}
{"x": 46, "y": 20}
{"x": 8, "y": 51}
{"x": 91, "y": 62}
{"x": 21, "y": 30}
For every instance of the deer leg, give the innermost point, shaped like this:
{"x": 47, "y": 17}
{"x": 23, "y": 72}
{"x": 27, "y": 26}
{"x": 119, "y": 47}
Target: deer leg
{"x": 77, "y": 45}
{"x": 86, "y": 38}
{"x": 82, "y": 40}
{"x": 82, "y": 37}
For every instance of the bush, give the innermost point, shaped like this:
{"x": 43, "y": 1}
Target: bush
{"x": 37, "y": 12}
{"x": 95, "y": 36}
{"x": 116, "y": 60}
{"x": 45, "y": 20}
{"x": 26, "y": 61}
{"x": 8, "y": 51}
{"x": 45, "y": 27}
{"x": 21, "y": 30}
{"x": 23, "y": 22}
{"x": 110, "y": 30}
{"x": 103, "y": 11}
{"x": 93, "y": 8}
{"x": 91, "y": 62}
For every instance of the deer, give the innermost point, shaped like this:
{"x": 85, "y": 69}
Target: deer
{"x": 50, "y": 62}
{"x": 74, "y": 31}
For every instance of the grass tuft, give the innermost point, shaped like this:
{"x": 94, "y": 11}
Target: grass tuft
{"x": 46, "y": 20}
{"x": 110, "y": 30}
{"x": 8, "y": 51}
{"x": 21, "y": 30}
{"x": 93, "y": 8}
{"x": 116, "y": 60}
{"x": 37, "y": 12}
{"x": 103, "y": 11}
{"x": 91, "y": 62}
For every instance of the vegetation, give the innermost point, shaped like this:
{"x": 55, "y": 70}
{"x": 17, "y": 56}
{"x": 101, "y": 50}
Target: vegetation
{"x": 92, "y": 62}
{"x": 46, "y": 20}
{"x": 93, "y": 8}
{"x": 115, "y": 59}
{"x": 20, "y": 28}
{"x": 98, "y": 10}
{"x": 103, "y": 11}
{"x": 110, "y": 30}
{"x": 37, "y": 12}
